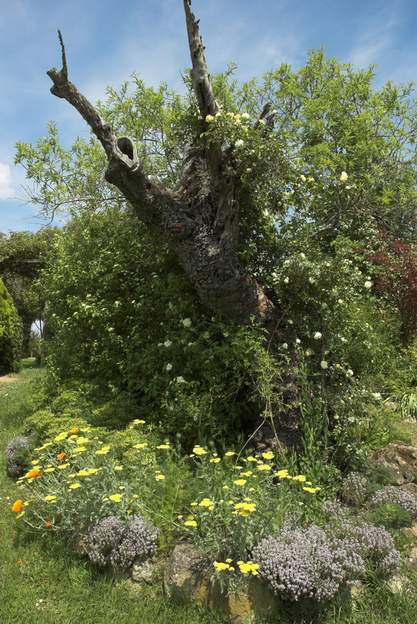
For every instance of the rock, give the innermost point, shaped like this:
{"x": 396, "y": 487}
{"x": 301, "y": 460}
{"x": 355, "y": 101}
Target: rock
{"x": 412, "y": 557}
{"x": 142, "y": 571}
{"x": 184, "y": 574}
{"x": 399, "y": 584}
{"x": 411, "y": 488}
{"x": 240, "y": 609}
{"x": 410, "y": 531}
{"x": 398, "y": 461}
{"x": 247, "y": 605}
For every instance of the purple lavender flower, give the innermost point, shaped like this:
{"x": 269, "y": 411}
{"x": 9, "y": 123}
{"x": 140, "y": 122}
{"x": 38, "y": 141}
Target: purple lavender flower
{"x": 316, "y": 564}
{"x": 113, "y": 543}
{"x": 395, "y": 496}
{"x": 377, "y": 547}
{"x": 17, "y": 455}
{"x": 305, "y": 563}
{"x": 355, "y": 489}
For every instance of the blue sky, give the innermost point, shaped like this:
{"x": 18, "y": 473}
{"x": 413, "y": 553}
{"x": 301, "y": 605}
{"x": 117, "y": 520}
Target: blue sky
{"x": 106, "y": 41}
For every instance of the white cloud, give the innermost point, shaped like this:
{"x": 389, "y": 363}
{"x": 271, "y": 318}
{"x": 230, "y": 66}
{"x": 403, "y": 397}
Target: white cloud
{"x": 373, "y": 43}
{"x": 6, "y": 189}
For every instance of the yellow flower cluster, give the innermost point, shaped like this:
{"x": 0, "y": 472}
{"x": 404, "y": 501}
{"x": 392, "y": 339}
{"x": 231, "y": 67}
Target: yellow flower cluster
{"x": 199, "y": 450}
{"x": 116, "y": 498}
{"x": 223, "y": 566}
{"x": 87, "y": 472}
{"x": 190, "y": 521}
{"x": 248, "y": 567}
{"x": 103, "y": 450}
{"x": 245, "y": 567}
{"x": 207, "y": 503}
{"x": 244, "y": 508}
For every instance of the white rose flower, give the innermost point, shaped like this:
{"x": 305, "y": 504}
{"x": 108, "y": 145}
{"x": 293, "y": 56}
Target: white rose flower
{"x": 368, "y": 285}
{"x": 317, "y": 335}
{"x": 180, "y": 379}
{"x": 284, "y": 345}
{"x": 187, "y": 322}
{"x": 344, "y": 176}
{"x": 297, "y": 341}
{"x": 324, "y": 364}
{"x": 239, "y": 143}
{"x": 168, "y": 367}
{"x": 167, "y": 343}
{"x": 286, "y": 280}
{"x": 349, "y": 372}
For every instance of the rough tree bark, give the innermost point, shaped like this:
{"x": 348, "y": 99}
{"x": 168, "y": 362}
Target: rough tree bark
{"x": 200, "y": 220}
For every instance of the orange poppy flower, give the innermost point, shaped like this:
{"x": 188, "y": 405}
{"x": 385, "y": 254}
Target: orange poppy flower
{"x": 17, "y": 506}
{"x": 33, "y": 474}
{"x": 61, "y": 456}
{"x": 47, "y": 524}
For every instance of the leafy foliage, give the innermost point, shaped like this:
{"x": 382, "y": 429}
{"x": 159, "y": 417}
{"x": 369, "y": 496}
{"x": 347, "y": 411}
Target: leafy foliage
{"x": 10, "y": 332}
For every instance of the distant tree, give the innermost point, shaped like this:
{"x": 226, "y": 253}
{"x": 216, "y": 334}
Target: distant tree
{"x": 10, "y": 333}
{"x": 22, "y": 256}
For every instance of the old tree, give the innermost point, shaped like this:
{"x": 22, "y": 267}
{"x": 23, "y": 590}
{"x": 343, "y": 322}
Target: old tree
{"x": 270, "y": 201}
{"x": 200, "y": 218}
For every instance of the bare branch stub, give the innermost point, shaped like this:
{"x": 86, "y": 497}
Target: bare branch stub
{"x": 201, "y": 78}
{"x": 65, "y": 89}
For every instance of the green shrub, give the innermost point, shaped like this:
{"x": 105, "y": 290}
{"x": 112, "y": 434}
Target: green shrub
{"x": 391, "y": 516}
{"x": 10, "y": 333}
{"x": 130, "y": 325}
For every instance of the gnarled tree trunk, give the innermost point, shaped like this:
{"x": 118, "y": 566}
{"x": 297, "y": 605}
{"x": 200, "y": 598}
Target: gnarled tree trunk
{"x": 200, "y": 221}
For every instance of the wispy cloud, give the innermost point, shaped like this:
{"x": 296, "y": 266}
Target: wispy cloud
{"x": 6, "y": 188}
{"x": 374, "y": 42}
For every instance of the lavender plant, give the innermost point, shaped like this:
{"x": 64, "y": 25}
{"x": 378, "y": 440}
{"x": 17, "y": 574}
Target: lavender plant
{"x": 314, "y": 564}
{"x": 112, "y": 543}
{"x": 304, "y": 563}
{"x": 393, "y": 495}
{"x": 376, "y": 546}
{"x": 355, "y": 489}
{"x": 17, "y": 455}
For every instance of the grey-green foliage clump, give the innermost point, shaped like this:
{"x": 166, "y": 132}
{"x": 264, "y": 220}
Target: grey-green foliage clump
{"x": 112, "y": 543}
{"x": 355, "y": 489}
{"x": 17, "y": 455}
{"x": 10, "y": 332}
{"x": 315, "y": 564}
{"x": 392, "y": 495}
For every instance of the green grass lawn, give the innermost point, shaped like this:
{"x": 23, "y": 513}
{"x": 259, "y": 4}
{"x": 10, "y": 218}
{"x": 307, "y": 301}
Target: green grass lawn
{"x": 42, "y": 585}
